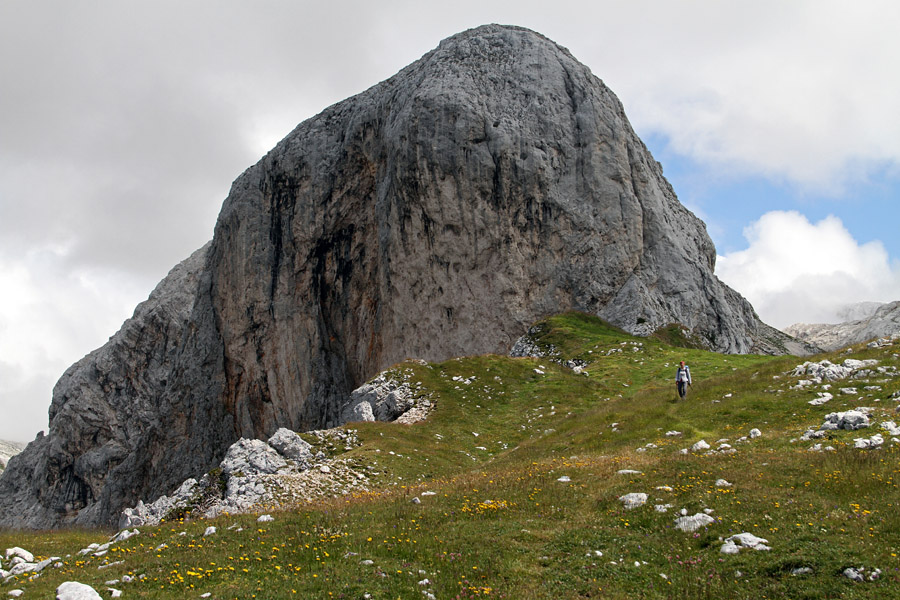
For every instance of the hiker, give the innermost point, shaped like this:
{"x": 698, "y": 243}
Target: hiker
{"x": 682, "y": 379}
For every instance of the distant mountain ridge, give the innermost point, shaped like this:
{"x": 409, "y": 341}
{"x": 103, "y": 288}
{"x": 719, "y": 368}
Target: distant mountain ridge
{"x": 7, "y": 451}
{"x": 858, "y": 311}
{"x": 884, "y": 320}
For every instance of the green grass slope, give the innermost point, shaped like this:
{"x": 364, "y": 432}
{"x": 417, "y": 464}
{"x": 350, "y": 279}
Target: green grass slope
{"x": 510, "y": 489}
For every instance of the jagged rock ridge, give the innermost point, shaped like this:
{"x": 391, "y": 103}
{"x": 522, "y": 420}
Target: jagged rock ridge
{"x": 884, "y": 321}
{"x": 439, "y": 213}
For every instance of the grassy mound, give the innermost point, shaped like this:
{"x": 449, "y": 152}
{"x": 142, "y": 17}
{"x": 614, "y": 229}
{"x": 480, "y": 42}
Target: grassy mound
{"x": 511, "y": 489}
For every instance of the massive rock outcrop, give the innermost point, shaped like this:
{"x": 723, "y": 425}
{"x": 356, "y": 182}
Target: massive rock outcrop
{"x": 439, "y": 213}
{"x": 878, "y": 320}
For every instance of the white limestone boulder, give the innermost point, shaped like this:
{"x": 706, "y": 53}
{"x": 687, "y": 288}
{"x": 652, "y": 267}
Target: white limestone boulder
{"x": 290, "y": 445}
{"x": 692, "y": 523}
{"x": 251, "y": 457}
{"x": 72, "y": 590}
{"x": 633, "y": 500}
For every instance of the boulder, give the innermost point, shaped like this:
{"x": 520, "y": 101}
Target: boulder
{"x": 20, "y": 553}
{"x": 736, "y": 543}
{"x": 290, "y": 445}
{"x": 850, "y": 420}
{"x": 153, "y": 513}
{"x": 72, "y": 590}
{"x": 891, "y": 428}
{"x": 692, "y": 523}
{"x": 381, "y": 399}
{"x": 251, "y": 456}
{"x": 876, "y": 441}
{"x": 822, "y": 398}
{"x": 633, "y": 500}
{"x": 700, "y": 446}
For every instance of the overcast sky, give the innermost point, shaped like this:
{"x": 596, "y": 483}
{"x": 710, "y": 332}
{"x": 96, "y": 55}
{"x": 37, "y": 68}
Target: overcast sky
{"x": 123, "y": 124}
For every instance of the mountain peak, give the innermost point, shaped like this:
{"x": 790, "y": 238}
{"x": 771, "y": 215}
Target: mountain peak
{"x": 493, "y": 182}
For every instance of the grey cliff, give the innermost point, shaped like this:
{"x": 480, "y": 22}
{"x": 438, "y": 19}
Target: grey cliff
{"x": 492, "y": 182}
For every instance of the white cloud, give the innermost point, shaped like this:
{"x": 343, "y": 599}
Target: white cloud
{"x": 793, "y": 91}
{"x": 796, "y": 271}
{"x": 44, "y": 329}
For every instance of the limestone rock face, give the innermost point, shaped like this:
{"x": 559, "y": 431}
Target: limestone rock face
{"x": 882, "y": 322}
{"x": 493, "y": 182}
{"x": 109, "y": 411}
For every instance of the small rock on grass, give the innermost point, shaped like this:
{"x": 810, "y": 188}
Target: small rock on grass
{"x": 633, "y": 500}
{"x": 700, "y": 446}
{"x": 72, "y": 590}
{"x": 693, "y": 523}
{"x": 859, "y": 574}
{"x": 736, "y": 543}
{"x": 21, "y": 553}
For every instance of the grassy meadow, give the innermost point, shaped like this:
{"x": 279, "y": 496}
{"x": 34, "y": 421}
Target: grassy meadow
{"x": 510, "y": 489}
